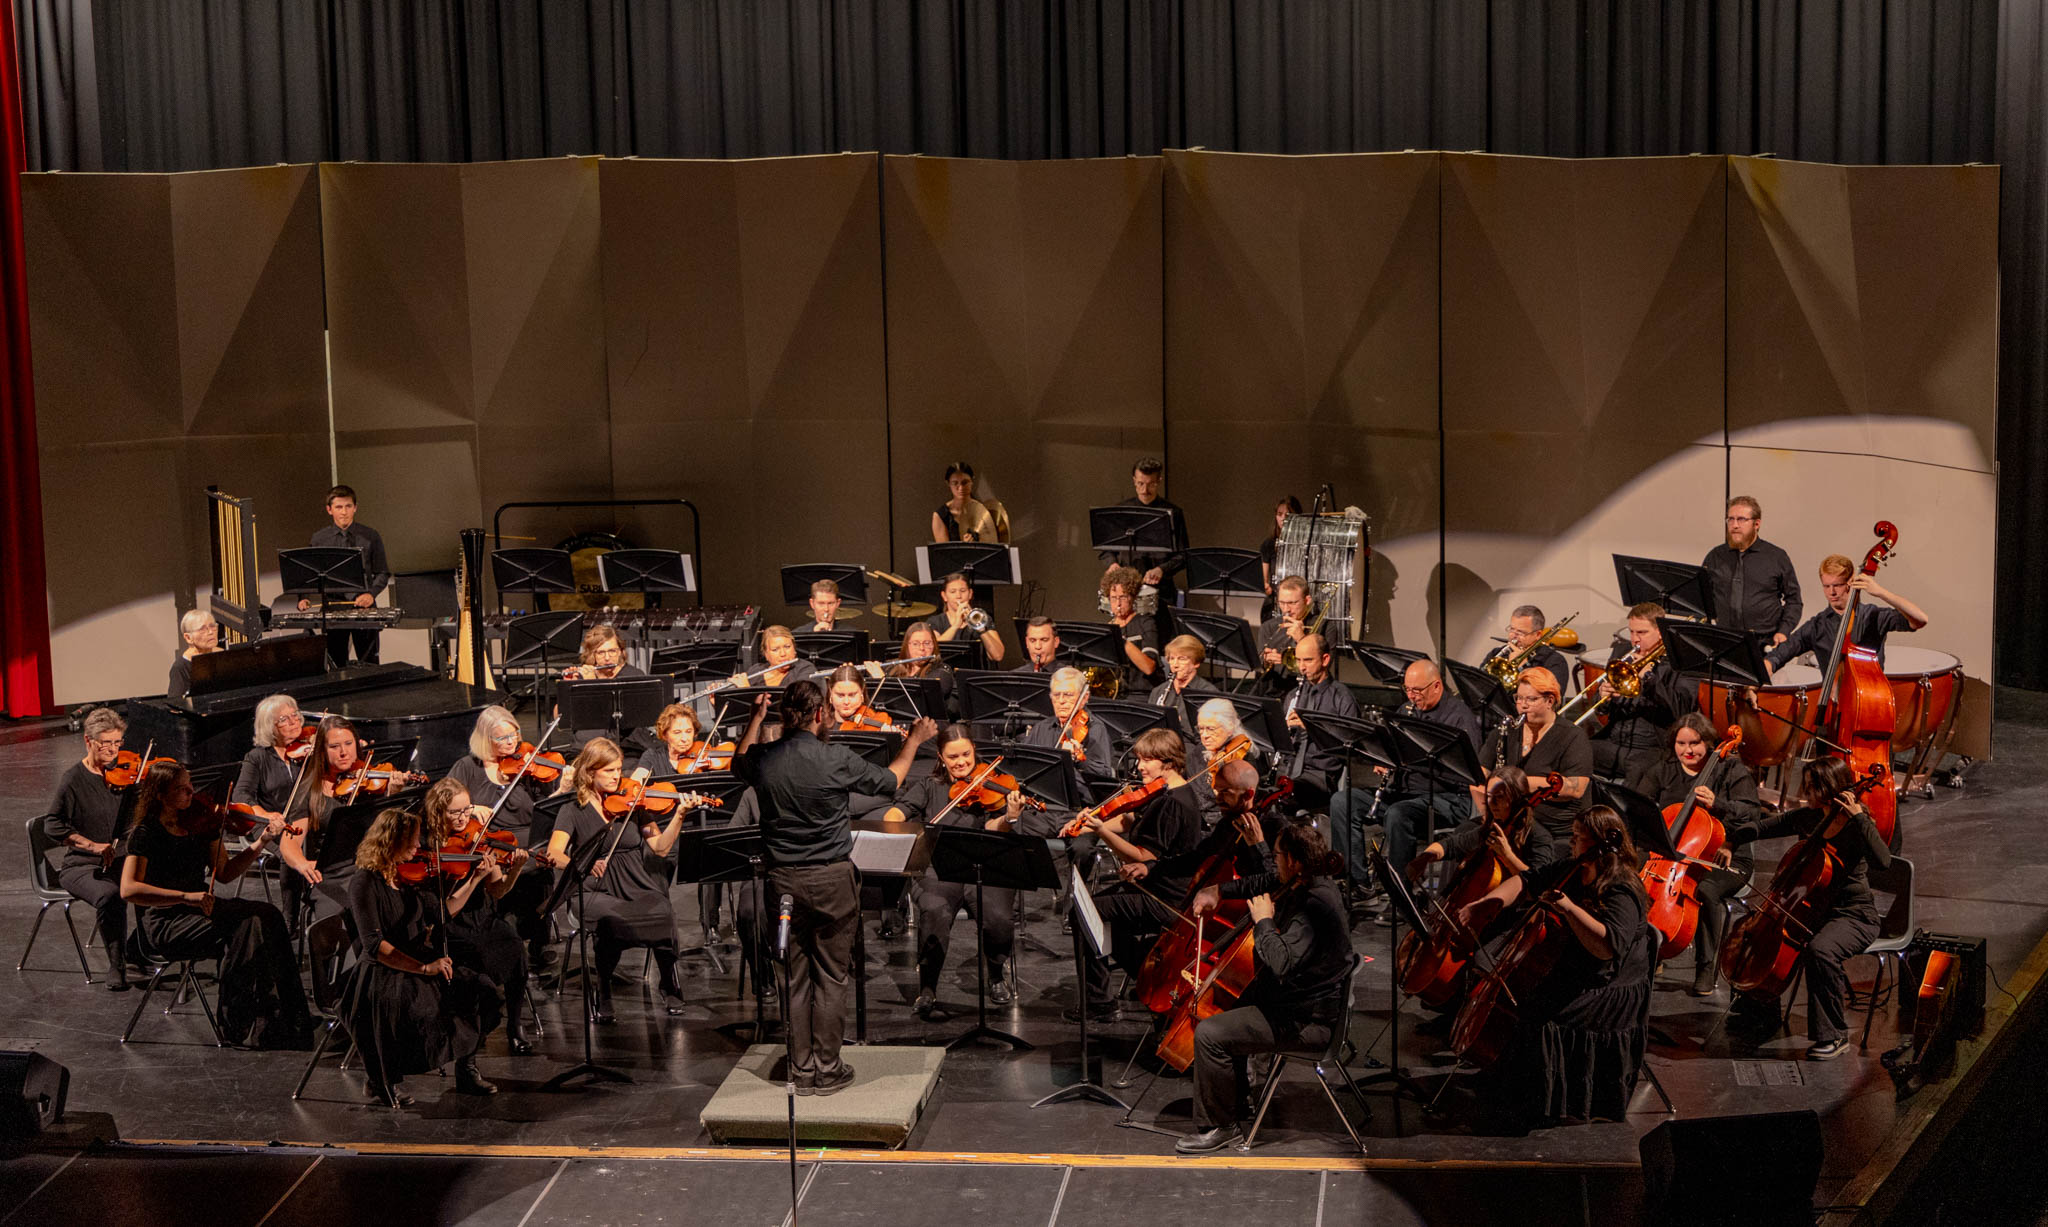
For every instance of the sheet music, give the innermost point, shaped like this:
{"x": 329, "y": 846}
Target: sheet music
{"x": 1091, "y": 920}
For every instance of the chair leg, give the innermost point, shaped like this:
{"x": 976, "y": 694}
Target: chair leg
{"x": 1870, "y": 1007}
{"x": 1323, "y": 1079}
{"x": 79, "y": 947}
{"x": 206, "y": 1007}
{"x": 156, "y": 975}
{"x": 1265, "y": 1101}
{"x": 32, "y": 931}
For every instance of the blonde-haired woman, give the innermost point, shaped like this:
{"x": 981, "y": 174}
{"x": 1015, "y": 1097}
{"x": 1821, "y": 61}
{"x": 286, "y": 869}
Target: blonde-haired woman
{"x": 483, "y": 775}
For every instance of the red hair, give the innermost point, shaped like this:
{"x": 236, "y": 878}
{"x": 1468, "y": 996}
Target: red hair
{"x": 1542, "y": 681}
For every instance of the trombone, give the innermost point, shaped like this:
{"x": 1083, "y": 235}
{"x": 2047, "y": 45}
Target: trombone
{"x": 1507, "y": 670}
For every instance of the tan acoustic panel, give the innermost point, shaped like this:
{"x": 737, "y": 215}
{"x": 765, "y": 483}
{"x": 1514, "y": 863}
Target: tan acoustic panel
{"x": 1863, "y": 309}
{"x": 743, "y": 330}
{"x": 1024, "y": 339}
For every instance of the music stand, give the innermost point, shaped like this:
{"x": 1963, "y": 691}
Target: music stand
{"x": 1386, "y": 664}
{"x": 1435, "y": 758}
{"x": 1225, "y": 572}
{"x": 1719, "y": 654}
{"x": 1264, "y": 719}
{"x": 322, "y": 569}
{"x": 1015, "y": 699}
{"x": 962, "y": 654}
{"x": 1370, "y": 740}
{"x": 1099, "y": 644}
{"x": 872, "y": 745}
{"x": 1478, "y": 690}
{"x": 1046, "y": 773}
{"x": 1227, "y": 639}
{"x": 990, "y": 858}
{"x": 830, "y": 649}
{"x": 696, "y": 660}
{"x": 616, "y": 704}
{"x": 797, "y": 578}
{"x": 983, "y": 562}
{"x": 1680, "y": 588}
{"x": 1126, "y": 719}
{"x": 735, "y": 705}
{"x": 889, "y": 852}
{"x": 909, "y": 698}
{"x": 650, "y": 572}
{"x": 1088, "y": 927}
{"x": 1130, "y": 529}
{"x": 572, "y": 880}
{"x": 537, "y": 640}
{"x": 1644, "y": 817}
{"x": 540, "y": 572}
{"x": 1404, "y": 910}
{"x": 713, "y": 856}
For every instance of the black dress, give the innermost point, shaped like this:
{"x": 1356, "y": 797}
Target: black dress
{"x": 410, "y": 1023}
{"x": 523, "y": 903}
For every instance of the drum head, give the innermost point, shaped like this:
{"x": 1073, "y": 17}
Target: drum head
{"x": 1908, "y": 661}
{"x": 1794, "y": 677}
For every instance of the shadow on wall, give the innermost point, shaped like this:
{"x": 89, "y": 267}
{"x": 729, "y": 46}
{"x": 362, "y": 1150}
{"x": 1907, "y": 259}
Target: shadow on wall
{"x": 1469, "y": 599}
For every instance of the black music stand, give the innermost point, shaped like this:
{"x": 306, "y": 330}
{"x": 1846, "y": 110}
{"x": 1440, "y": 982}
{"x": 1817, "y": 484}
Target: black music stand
{"x": 1221, "y": 571}
{"x": 713, "y": 856}
{"x": 1680, "y": 588}
{"x": 649, "y": 572}
{"x": 873, "y": 745}
{"x": 1435, "y": 758}
{"x": 536, "y": 641}
{"x": 1088, "y": 927}
{"x": 615, "y": 704}
{"x": 1002, "y": 860}
{"x": 1098, "y": 644}
{"x": 735, "y": 705}
{"x": 539, "y": 572}
{"x": 887, "y": 852}
{"x": 572, "y": 880}
{"x": 1046, "y": 773}
{"x": 321, "y": 569}
{"x": 1370, "y": 740}
{"x": 1127, "y": 719}
{"x": 797, "y": 578}
{"x": 1478, "y": 690}
{"x": 1130, "y": 529}
{"x": 1264, "y": 719}
{"x": 962, "y": 654}
{"x": 1386, "y": 664}
{"x": 1015, "y": 699}
{"x": 695, "y": 661}
{"x": 983, "y": 562}
{"x": 909, "y": 698}
{"x": 1644, "y": 817}
{"x": 1227, "y": 639}
{"x": 1404, "y": 910}
{"x": 1719, "y": 654}
{"x": 830, "y": 649}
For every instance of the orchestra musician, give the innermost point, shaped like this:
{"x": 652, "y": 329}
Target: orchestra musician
{"x": 175, "y": 860}
{"x": 1838, "y": 578}
{"x": 1755, "y": 587}
{"x": 1668, "y": 781}
{"x": 1301, "y": 951}
{"x": 1849, "y": 922}
{"x": 1269, "y": 548}
{"x": 921, "y": 643}
{"x": 625, "y": 891}
{"x": 482, "y": 773}
{"x": 1041, "y": 646}
{"x": 801, "y": 784}
{"x": 1542, "y": 744}
{"x": 939, "y": 903}
{"x": 321, "y": 868}
{"x": 601, "y": 657}
{"x": 1525, "y": 626}
{"x": 271, "y": 766}
{"x": 956, "y": 605}
{"x": 847, "y": 692}
{"x": 1217, "y": 724}
{"x": 481, "y": 935}
{"x": 1639, "y": 728}
{"x": 345, "y": 532}
{"x": 1140, "y": 630}
{"x": 1578, "y": 1044}
{"x": 962, "y": 517}
{"x": 1507, "y": 827}
{"x": 1407, "y": 817}
{"x": 1183, "y": 685}
{"x": 419, "y": 1008}
{"x": 1092, "y": 750}
{"x": 1166, "y": 825}
{"x": 681, "y": 747}
{"x": 823, "y": 604}
{"x": 85, "y": 825}
{"x": 1280, "y": 632}
{"x": 1315, "y": 768}
{"x": 1148, "y": 486}
{"x": 201, "y": 635}
{"x": 778, "y": 647}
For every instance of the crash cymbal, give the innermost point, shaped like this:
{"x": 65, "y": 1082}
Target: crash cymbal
{"x": 907, "y": 609}
{"x": 845, "y": 612}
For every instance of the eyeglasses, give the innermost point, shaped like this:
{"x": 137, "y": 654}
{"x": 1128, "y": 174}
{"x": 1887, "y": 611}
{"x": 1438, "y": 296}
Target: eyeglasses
{"x": 505, "y": 739}
{"x": 1419, "y": 689}
{"x": 108, "y": 743}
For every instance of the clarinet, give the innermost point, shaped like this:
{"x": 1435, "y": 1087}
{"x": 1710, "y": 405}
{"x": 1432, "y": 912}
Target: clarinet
{"x": 1500, "y": 757}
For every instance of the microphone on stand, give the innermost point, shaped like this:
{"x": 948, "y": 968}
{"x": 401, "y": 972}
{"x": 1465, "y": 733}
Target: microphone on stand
{"x": 782, "y": 928}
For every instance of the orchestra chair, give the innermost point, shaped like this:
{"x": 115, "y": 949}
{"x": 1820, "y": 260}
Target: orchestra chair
{"x": 1332, "y": 1057}
{"x": 157, "y": 963}
{"x": 48, "y": 892}
{"x": 1894, "y": 938}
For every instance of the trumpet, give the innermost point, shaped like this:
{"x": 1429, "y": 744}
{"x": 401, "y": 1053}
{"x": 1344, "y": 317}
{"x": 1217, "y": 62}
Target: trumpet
{"x": 1624, "y": 677}
{"x": 1507, "y": 670}
{"x": 978, "y": 621}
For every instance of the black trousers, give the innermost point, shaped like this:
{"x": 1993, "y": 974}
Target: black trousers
{"x": 1714, "y": 891}
{"x": 110, "y": 911}
{"x": 937, "y": 905}
{"x": 1827, "y": 974}
{"x": 489, "y": 945}
{"x": 1223, "y": 1041}
{"x": 364, "y": 641}
{"x": 826, "y": 911}
{"x": 1134, "y": 921}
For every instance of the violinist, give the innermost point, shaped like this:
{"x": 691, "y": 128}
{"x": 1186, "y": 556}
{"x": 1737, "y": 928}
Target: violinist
{"x": 175, "y": 859}
{"x": 921, "y": 643}
{"x": 956, "y": 606}
{"x": 1315, "y": 768}
{"x": 1831, "y": 813}
{"x": 1041, "y": 646}
{"x": 1578, "y": 1041}
{"x": 419, "y": 1009}
{"x": 1301, "y": 949}
{"x": 1241, "y": 833}
{"x": 346, "y": 533}
{"x": 481, "y": 935}
{"x": 201, "y": 634}
{"x": 322, "y": 867}
{"x": 602, "y": 657}
{"x": 848, "y": 695}
{"x": 939, "y": 903}
{"x": 680, "y": 748}
{"x": 1839, "y": 578}
{"x": 485, "y": 774}
{"x": 1165, "y": 826}
{"x": 1732, "y": 802}
{"x": 1541, "y": 745}
{"x": 778, "y": 648}
{"x": 1525, "y": 626}
{"x": 1140, "y": 630}
{"x": 1278, "y": 633}
{"x": 271, "y": 766}
{"x": 625, "y": 896}
{"x": 1183, "y": 685}
{"x": 1639, "y": 728}
{"x": 823, "y": 604}
{"x": 1070, "y": 729}
{"x": 1218, "y": 727}
{"x": 85, "y": 823}
{"x": 1756, "y": 587}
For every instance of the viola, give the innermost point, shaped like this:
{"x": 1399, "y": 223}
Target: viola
{"x": 129, "y": 767}
{"x": 636, "y": 794}
{"x": 1122, "y": 803}
{"x": 865, "y": 717}
{"x": 1859, "y": 712}
{"x": 990, "y": 789}
{"x": 377, "y": 781}
{"x": 1431, "y": 969}
{"x": 704, "y": 756}
{"x": 546, "y": 768}
{"x": 1673, "y": 884}
{"x": 1762, "y": 950}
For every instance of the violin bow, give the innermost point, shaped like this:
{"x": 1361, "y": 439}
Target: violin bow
{"x": 953, "y": 803}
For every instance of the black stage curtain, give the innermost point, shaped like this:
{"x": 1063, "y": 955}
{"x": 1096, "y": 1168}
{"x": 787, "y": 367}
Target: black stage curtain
{"x": 196, "y": 84}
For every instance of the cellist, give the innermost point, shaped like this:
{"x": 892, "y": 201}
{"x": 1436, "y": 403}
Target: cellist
{"x": 1733, "y": 802}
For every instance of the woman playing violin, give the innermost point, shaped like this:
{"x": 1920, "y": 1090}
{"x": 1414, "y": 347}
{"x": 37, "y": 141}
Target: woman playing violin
{"x": 485, "y": 773}
{"x": 201, "y": 634}
{"x": 85, "y": 823}
{"x": 680, "y": 749}
{"x": 1845, "y": 928}
{"x": 1732, "y": 801}
{"x": 1221, "y": 730}
{"x": 175, "y": 859}
{"x": 1301, "y": 950}
{"x": 1578, "y": 1040}
{"x": 420, "y": 1008}
{"x": 271, "y": 766}
{"x": 481, "y": 935}
{"x": 848, "y": 695}
{"x": 625, "y": 896}
{"x": 323, "y": 870}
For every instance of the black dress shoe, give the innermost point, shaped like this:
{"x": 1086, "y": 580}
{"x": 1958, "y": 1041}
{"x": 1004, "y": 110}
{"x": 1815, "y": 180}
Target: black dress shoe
{"x": 673, "y": 1003}
{"x": 602, "y": 1011}
{"x": 394, "y": 1095}
{"x": 1207, "y": 1140}
{"x": 1000, "y": 992}
{"x": 520, "y": 1044}
{"x": 469, "y": 1082}
{"x": 837, "y": 1080}
{"x": 1096, "y": 1014}
{"x": 926, "y": 1006}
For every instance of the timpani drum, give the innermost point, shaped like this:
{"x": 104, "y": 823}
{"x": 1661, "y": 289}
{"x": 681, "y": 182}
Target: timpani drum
{"x": 1592, "y": 663}
{"x": 1774, "y": 727}
{"x": 1926, "y": 686}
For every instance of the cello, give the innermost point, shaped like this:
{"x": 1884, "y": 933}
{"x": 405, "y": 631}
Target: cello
{"x": 1486, "y": 1024}
{"x": 1173, "y": 962}
{"x": 1859, "y": 713}
{"x": 1673, "y": 883}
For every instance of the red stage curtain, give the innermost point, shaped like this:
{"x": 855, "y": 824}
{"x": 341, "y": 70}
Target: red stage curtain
{"x": 24, "y": 603}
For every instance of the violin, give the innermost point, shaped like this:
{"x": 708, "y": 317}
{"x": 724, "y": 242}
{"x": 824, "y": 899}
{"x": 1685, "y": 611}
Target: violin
{"x": 704, "y": 756}
{"x": 498, "y": 847}
{"x": 1673, "y": 885}
{"x": 1431, "y": 969}
{"x": 545, "y": 768}
{"x": 377, "y": 781}
{"x": 1118, "y": 805}
{"x": 129, "y": 767}
{"x": 299, "y": 747}
{"x": 636, "y": 794}
{"x": 1076, "y": 740}
{"x": 1762, "y": 950}
{"x": 1859, "y": 711}
{"x": 868, "y": 718}
{"x": 1229, "y": 752}
{"x": 990, "y": 789}
{"x": 206, "y": 816}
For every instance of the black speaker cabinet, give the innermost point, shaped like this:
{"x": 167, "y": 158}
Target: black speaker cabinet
{"x": 1750, "y": 1170}
{"x": 32, "y": 1089}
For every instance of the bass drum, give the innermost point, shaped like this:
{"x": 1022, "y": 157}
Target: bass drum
{"x": 1774, "y": 727}
{"x": 1926, "y": 686}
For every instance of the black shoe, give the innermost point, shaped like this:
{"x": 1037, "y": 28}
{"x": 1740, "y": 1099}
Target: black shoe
{"x": 394, "y": 1095}
{"x": 926, "y": 1006}
{"x": 837, "y": 1080}
{"x": 673, "y": 1003}
{"x": 1827, "y": 1051}
{"x": 892, "y": 927}
{"x": 805, "y": 1082}
{"x": 1703, "y": 978}
{"x": 1000, "y": 992}
{"x": 519, "y": 1044}
{"x": 1110, "y": 1013}
{"x": 118, "y": 982}
{"x": 1207, "y": 1140}
{"x": 602, "y": 1011}
{"x": 469, "y": 1082}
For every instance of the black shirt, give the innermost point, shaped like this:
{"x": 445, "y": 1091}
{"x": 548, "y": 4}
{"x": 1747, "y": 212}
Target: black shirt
{"x": 1563, "y": 748}
{"x": 359, "y": 536}
{"x": 1620, "y": 908}
{"x": 1736, "y": 805}
{"x": 1301, "y": 955}
{"x": 265, "y": 780}
{"x": 1143, "y": 630}
{"x": 86, "y": 806}
{"x": 1328, "y": 697}
{"x": 1754, "y": 589}
{"x": 1817, "y": 634}
{"x": 802, "y": 785}
{"x": 1644, "y": 722}
{"x": 632, "y": 870}
{"x": 180, "y": 683}
{"x": 1101, "y": 755}
{"x": 398, "y": 915}
{"x": 1536, "y": 847}
{"x": 1167, "y": 826}
{"x": 175, "y": 862}
{"x": 1857, "y": 844}
{"x": 1451, "y": 712}
{"x": 1545, "y": 657}
{"x": 517, "y": 814}
{"x": 1187, "y": 705}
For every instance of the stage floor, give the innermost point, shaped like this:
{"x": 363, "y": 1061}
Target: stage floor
{"x": 980, "y": 1148}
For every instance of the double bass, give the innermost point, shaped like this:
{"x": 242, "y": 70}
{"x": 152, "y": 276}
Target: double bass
{"x": 1673, "y": 883}
{"x": 1859, "y": 713}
